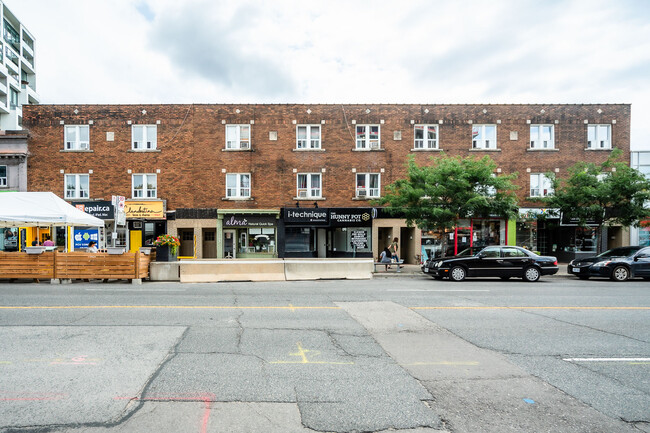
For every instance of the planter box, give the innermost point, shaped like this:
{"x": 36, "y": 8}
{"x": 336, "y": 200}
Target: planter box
{"x": 164, "y": 254}
{"x": 115, "y": 250}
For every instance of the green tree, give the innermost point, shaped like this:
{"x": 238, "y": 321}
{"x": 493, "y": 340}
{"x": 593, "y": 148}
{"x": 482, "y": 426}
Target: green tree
{"x": 435, "y": 196}
{"x": 611, "y": 193}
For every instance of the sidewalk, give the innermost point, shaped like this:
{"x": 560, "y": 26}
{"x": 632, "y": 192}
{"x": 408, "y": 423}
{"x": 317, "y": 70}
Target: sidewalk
{"x": 414, "y": 271}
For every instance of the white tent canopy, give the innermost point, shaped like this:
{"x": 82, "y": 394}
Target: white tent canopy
{"x": 32, "y": 209}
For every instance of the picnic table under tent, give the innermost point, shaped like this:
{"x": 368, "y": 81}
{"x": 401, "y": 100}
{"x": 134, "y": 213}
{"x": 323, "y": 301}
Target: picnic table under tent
{"x": 38, "y": 209}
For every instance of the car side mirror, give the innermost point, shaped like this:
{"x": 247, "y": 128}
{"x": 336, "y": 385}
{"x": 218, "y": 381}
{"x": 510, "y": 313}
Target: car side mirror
{"x": 481, "y": 255}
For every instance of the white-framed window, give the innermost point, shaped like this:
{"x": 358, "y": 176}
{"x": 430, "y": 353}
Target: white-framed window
{"x": 368, "y": 137}
{"x": 425, "y": 137}
{"x": 540, "y": 185}
{"x": 3, "y": 175}
{"x": 238, "y": 185}
{"x": 77, "y": 186}
{"x": 238, "y": 136}
{"x": 484, "y": 136}
{"x": 144, "y": 186}
{"x": 309, "y": 185}
{"x": 542, "y": 136}
{"x": 77, "y": 137}
{"x": 308, "y": 137}
{"x": 367, "y": 185}
{"x": 144, "y": 137}
{"x": 599, "y": 136}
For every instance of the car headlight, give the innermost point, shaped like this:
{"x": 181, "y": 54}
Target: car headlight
{"x": 603, "y": 263}
{"x": 437, "y": 264}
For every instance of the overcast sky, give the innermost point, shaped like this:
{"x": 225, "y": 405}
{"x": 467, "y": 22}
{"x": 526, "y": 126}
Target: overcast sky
{"x": 331, "y": 51}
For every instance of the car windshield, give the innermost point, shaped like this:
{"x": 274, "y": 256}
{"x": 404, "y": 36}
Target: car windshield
{"x": 619, "y": 252}
{"x": 467, "y": 252}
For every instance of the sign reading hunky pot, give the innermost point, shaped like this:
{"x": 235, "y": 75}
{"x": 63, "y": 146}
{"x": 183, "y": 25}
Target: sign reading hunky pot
{"x": 145, "y": 209}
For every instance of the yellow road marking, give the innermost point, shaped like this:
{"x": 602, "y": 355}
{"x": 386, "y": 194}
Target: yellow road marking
{"x": 302, "y": 353}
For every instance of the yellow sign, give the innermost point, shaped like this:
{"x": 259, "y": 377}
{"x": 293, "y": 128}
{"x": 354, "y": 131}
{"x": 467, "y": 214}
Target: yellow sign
{"x": 145, "y": 209}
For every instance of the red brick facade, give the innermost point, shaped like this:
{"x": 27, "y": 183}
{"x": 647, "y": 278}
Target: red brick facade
{"x": 191, "y": 141}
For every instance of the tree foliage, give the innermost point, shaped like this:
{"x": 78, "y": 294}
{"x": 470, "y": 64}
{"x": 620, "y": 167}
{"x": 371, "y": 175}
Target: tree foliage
{"x": 435, "y": 196}
{"x": 611, "y": 193}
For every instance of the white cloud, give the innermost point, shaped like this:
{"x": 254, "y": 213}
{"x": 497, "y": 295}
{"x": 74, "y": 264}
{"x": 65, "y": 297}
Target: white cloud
{"x": 170, "y": 51}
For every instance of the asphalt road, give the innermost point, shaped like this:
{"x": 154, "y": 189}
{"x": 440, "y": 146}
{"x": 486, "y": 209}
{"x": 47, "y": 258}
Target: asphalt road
{"x": 400, "y": 354}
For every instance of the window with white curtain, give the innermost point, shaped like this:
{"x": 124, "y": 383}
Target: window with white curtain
{"x": 77, "y": 186}
{"x": 238, "y": 185}
{"x": 309, "y": 185}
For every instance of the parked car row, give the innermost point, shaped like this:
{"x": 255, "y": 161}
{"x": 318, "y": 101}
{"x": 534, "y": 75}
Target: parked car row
{"x": 619, "y": 264}
{"x": 493, "y": 261}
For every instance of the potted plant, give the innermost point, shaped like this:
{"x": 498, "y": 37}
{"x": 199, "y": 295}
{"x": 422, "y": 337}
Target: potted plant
{"x": 166, "y": 248}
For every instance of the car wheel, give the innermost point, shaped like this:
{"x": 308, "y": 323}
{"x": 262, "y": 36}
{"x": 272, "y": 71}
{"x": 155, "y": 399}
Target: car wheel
{"x": 583, "y": 277}
{"x": 505, "y": 278}
{"x": 457, "y": 273}
{"x": 531, "y": 274}
{"x": 620, "y": 273}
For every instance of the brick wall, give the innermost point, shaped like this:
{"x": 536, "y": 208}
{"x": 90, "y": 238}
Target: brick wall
{"x": 191, "y": 141}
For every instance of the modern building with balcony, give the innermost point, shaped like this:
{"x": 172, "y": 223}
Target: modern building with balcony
{"x": 17, "y": 70}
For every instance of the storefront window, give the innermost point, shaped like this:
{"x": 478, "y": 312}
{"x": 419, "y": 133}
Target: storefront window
{"x": 352, "y": 239}
{"x": 578, "y": 239}
{"x": 527, "y": 235}
{"x": 644, "y": 236}
{"x": 300, "y": 239}
{"x": 257, "y": 240}
{"x": 487, "y": 232}
{"x": 432, "y": 244}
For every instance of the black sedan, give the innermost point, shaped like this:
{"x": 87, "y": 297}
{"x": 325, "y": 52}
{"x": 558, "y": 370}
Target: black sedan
{"x": 619, "y": 264}
{"x": 492, "y": 261}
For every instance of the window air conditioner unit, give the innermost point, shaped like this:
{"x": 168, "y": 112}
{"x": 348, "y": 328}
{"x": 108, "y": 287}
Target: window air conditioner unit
{"x": 302, "y": 194}
{"x": 374, "y": 145}
{"x": 83, "y": 146}
{"x": 361, "y": 193}
{"x": 244, "y": 145}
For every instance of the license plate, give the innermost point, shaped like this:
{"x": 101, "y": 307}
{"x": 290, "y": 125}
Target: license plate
{"x": 576, "y": 269}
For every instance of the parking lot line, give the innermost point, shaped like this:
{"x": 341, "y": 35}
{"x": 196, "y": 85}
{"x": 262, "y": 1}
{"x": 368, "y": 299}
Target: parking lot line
{"x": 523, "y": 307}
{"x": 171, "y": 307}
{"x": 630, "y": 360}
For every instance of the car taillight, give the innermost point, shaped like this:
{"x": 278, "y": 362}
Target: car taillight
{"x": 555, "y": 263}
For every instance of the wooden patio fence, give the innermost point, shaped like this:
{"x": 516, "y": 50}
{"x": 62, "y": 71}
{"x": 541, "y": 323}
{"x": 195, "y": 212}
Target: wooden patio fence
{"x": 75, "y": 265}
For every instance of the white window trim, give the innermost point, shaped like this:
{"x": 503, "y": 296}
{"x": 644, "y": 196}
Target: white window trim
{"x": 237, "y": 144}
{"x": 307, "y": 193}
{"x": 309, "y": 143}
{"x": 145, "y": 190}
{"x": 430, "y": 144}
{"x": 144, "y": 146}
{"x": 367, "y": 192}
{"x": 538, "y": 144}
{"x": 238, "y": 186}
{"x": 541, "y": 177}
{"x": 5, "y": 179}
{"x": 367, "y": 144}
{"x": 77, "y": 144}
{"x": 596, "y": 127}
{"x": 481, "y": 144}
{"x": 78, "y": 192}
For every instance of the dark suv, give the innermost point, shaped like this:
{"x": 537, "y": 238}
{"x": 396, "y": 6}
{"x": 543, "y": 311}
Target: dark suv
{"x": 619, "y": 264}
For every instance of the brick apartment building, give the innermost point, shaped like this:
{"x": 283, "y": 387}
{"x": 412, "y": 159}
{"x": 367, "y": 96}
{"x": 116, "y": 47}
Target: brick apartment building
{"x": 296, "y": 180}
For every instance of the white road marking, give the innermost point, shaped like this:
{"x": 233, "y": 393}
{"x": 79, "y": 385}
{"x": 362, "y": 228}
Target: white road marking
{"x": 134, "y": 290}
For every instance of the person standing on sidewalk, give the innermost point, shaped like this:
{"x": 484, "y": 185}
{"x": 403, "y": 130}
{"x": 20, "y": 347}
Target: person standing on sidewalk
{"x": 394, "y": 248}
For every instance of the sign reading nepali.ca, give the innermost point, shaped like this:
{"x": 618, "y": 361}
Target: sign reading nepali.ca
{"x": 145, "y": 209}
{"x": 98, "y": 209}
